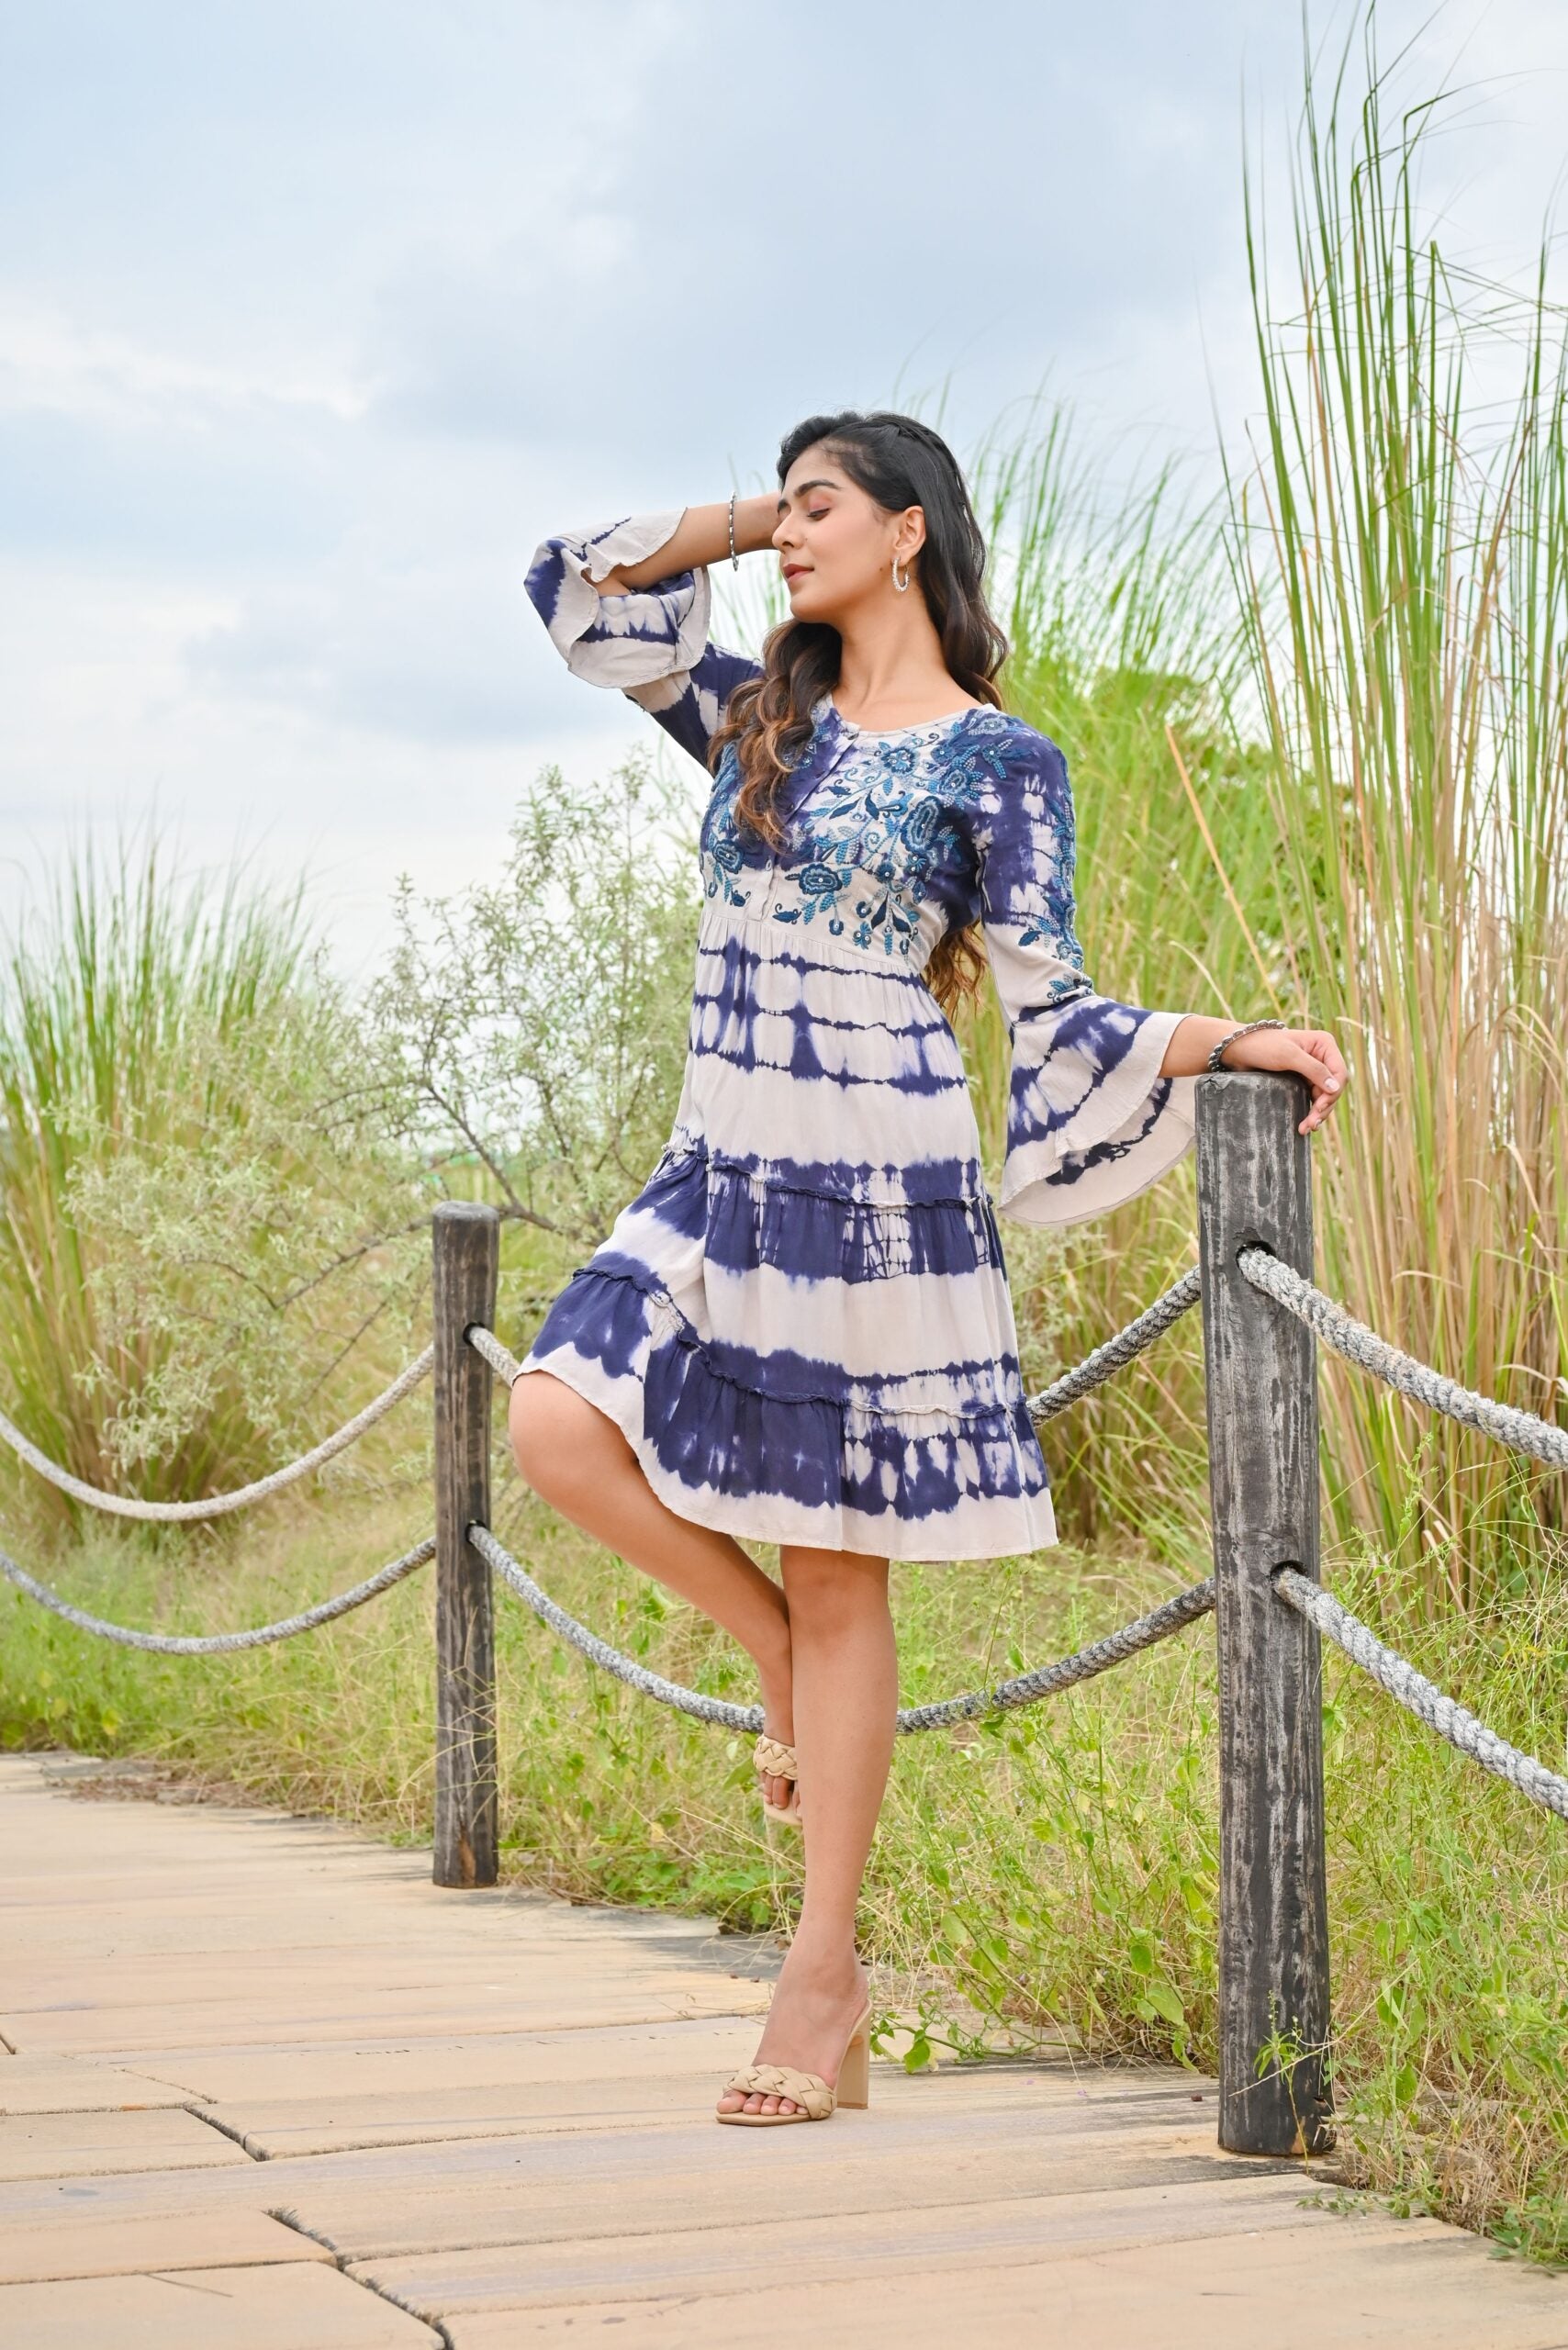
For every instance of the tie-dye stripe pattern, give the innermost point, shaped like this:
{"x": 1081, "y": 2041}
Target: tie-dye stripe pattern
{"x": 801, "y": 1323}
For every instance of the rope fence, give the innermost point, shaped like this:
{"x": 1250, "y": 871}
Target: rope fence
{"x": 221, "y": 1643}
{"x": 218, "y": 1505}
{"x": 1027, "y": 1690}
{"x": 1263, "y": 1316}
{"x": 1116, "y": 1353}
{"x": 1420, "y": 1696}
{"x": 1520, "y": 1431}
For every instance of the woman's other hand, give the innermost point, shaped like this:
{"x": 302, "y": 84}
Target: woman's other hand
{"x": 1299, "y": 1052}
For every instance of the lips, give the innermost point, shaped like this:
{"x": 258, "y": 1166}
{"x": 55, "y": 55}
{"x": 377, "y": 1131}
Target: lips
{"x": 796, "y": 570}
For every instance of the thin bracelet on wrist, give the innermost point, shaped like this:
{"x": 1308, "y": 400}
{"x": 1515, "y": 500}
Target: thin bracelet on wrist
{"x": 734, "y": 559}
{"x": 1215, "y": 1062}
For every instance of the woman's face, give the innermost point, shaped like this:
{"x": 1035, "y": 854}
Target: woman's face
{"x": 836, "y": 544}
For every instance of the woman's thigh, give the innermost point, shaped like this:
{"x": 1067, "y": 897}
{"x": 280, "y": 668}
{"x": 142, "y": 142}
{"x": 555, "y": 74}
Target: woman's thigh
{"x": 564, "y": 1445}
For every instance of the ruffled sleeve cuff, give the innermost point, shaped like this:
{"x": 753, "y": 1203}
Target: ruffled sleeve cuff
{"x": 1091, "y": 1121}
{"x": 621, "y": 642}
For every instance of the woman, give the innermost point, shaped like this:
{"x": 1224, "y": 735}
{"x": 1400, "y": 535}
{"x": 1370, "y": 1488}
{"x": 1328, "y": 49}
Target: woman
{"x": 799, "y": 1331}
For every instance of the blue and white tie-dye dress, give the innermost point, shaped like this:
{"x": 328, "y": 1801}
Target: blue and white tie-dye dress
{"x": 801, "y": 1323}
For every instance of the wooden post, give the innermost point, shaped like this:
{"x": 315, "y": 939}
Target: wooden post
{"x": 466, "y": 1249}
{"x": 1255, "y": 1186}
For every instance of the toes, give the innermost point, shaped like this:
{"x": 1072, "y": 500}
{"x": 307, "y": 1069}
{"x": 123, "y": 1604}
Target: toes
{"x": 733, "y": 2102}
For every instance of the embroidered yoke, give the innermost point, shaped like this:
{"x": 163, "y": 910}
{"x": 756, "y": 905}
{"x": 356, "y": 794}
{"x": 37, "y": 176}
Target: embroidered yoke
{"x": 801, "y": 1323}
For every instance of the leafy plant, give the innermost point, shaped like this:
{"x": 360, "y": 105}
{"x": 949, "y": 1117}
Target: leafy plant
{"x": 186, "y": 1208}
{"x": 532, "y": 1029}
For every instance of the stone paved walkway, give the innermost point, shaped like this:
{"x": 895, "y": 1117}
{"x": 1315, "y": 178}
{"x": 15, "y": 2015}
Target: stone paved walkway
{"x": 263, "y": 2086}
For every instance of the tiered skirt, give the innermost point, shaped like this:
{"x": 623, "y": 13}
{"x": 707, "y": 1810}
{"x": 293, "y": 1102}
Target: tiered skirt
{"x": 801, "y": 1323}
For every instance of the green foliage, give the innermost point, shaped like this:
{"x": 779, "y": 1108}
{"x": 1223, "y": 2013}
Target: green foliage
{"x": 535, "y": 1027}
{"x": 192, "y": 1203}
{"x": 1400, "y": 556}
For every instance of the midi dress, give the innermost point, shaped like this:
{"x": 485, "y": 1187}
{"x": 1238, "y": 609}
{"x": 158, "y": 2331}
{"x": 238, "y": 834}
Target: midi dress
{"x": 801, "y": 1323}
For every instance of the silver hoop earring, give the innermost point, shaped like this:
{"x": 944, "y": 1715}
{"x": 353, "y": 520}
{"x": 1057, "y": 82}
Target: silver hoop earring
{"x": 899, "y": 585}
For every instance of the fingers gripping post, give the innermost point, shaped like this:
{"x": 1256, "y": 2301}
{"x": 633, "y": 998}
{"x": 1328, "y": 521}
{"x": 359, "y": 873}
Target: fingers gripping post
{"x": 466, "y": 1248}
{"x": 1254, "y": 1187}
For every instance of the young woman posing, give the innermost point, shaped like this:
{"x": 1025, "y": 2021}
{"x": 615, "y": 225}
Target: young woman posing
{"x": 799, "y": 1331}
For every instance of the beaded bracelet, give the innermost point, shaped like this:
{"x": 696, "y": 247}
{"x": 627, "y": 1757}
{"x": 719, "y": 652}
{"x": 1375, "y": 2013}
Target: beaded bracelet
{"x": 734, "y": 559}
{"x": 1216, "y": 1058}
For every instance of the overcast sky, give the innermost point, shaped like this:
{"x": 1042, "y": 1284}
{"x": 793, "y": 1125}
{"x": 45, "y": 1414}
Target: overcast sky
{"x": 314, "y": 316}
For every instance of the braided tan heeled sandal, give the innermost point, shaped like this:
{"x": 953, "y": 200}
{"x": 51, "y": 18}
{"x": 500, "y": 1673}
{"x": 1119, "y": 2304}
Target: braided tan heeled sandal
{"x": 810, "y": 2095}
{"x": 771, "y": 1758}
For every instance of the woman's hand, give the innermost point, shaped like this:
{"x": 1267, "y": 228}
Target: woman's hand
{"x": 1301, "y": 1052}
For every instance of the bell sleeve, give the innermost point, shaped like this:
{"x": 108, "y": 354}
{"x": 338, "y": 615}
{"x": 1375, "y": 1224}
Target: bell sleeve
{"x": 652, "y": 644}
{"x": 1090, "y": 1120}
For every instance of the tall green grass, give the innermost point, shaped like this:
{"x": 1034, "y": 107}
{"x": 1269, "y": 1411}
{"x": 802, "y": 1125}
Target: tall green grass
{"x": 1125, "y": 651}
{"x": 1400, "y": 553}
{"x": 1318, "y": 735}
{"x": 192, "y": 1207}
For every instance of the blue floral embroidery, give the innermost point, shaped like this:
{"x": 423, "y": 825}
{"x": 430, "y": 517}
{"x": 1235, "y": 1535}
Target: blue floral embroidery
{"x": 880, "y": 828}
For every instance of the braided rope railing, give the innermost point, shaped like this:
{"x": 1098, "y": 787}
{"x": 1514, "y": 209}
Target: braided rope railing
{"x": 500, "y": 1360}
{"x": 1027, "y": 1690}
{"x": 221, "y": 1643}
{"x": 219, "y": 1504}
{"x": 1420, "y": 1696}
{"x": 1521, "y": 1431}
{"x": 1120, "y": 1351}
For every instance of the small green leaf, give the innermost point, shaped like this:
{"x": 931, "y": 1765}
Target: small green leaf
{"x": 1162, "y": 1996}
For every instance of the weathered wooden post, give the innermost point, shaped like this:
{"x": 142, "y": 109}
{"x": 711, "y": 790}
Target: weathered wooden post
{"x": 1255, "y": 1187}
{"x": 466, "y": 1250}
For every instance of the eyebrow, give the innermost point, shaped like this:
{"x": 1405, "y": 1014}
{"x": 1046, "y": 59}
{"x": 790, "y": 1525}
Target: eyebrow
{"x": 804, "y": 486}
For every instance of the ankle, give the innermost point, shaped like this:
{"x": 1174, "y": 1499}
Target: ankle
{"x": 776, "y": 1682}
{"x": 831, "y": 1967}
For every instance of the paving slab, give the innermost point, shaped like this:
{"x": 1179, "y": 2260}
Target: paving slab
{"x": 288, "y": 2071}
{"x": 557, "y": 2090}
{"x": 326, "y": 2125}
{"x": 76, "y": 2084}
{"x": 697, "y": 2258}
{"x": 370, "y": 2224}
{"x": 69, "y": 2146}
{"x": 1325, "y": 2284}
{"x": 124, "y": 2033}
{"x": 299, "y": 2307}
{"x": 51, "y": 2249}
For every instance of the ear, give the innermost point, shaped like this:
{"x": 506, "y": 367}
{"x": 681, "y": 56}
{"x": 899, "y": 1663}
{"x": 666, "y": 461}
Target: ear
{"x": 910, "y": 534}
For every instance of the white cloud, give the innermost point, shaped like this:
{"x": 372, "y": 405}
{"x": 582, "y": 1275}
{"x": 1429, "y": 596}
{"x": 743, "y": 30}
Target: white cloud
{"x": 51, "y": 364}
{"x": 313, "y": 320}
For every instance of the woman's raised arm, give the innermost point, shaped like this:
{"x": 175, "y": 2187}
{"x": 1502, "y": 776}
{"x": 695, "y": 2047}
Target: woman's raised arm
{"x": 701, "y": 537}
{"x": 627, "y": 602}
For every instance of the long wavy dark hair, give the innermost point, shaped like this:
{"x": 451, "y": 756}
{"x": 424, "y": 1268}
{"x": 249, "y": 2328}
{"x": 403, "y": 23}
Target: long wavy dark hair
{"x": 897, "y": 462}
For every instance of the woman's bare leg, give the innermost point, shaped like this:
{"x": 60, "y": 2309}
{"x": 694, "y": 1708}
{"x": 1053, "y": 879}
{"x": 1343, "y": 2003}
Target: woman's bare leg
{"x": 846, "y": 1674}
{"x": 577, "y": 1460}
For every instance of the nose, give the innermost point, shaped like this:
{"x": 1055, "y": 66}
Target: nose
{"x": 784, "y": 533}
